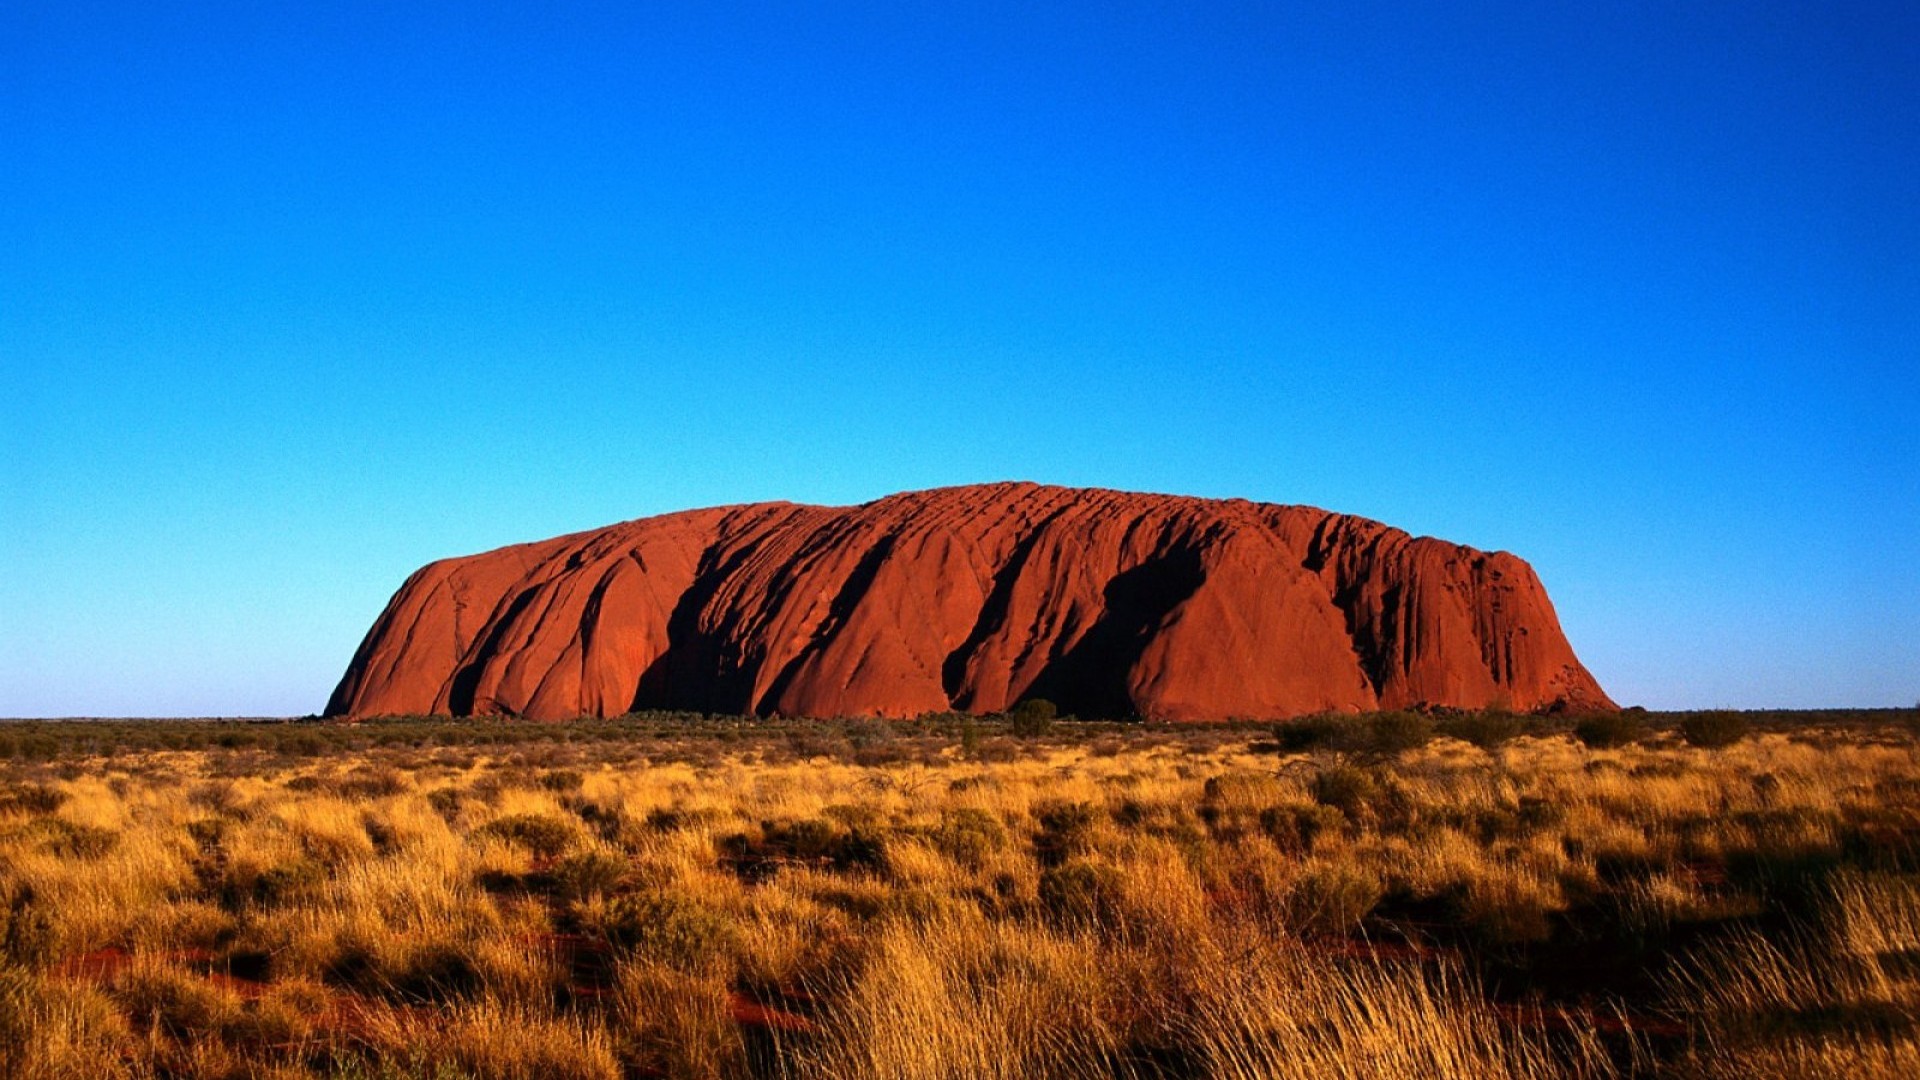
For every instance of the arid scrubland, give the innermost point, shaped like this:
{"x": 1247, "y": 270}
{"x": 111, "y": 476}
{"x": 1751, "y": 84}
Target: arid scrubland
{"x": 1358, "y": 898}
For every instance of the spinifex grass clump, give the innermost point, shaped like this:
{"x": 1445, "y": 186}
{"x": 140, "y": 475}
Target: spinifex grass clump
{"x": 1391, "y": 895}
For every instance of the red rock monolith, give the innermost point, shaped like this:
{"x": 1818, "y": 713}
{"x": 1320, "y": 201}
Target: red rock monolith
{"x": 1107, "y": 603}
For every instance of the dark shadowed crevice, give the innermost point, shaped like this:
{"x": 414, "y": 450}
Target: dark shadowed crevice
{"x": 1372, "y": 639}
{"x": 467, "y": 679}
{"x": 852, "y": 591}
{"x": 1320, "y": 547}
{"x": 992, "y": 618}
{"x": 1090, "y": 679}
{"x": 590, "y": 611}
{"x": 1373, "y": 633}
{"x": 699, "y": 671}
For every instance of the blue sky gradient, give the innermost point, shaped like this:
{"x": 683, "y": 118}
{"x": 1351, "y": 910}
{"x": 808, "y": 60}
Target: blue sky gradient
{"x": 293, "y": 301}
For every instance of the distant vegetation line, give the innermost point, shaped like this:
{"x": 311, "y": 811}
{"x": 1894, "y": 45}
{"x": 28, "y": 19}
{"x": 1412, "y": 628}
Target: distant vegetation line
{"x": 32, "y": 739}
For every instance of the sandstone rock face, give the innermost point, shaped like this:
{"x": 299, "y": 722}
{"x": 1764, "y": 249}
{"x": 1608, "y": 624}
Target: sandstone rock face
{"x": 1107, "y": 603}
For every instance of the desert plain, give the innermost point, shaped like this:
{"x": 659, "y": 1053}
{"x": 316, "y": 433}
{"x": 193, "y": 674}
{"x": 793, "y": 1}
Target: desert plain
{"x": 1391, "y": 894}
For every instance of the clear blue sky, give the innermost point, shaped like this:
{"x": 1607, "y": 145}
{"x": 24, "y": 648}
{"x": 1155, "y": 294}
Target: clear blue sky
{"x": 295, "y": 300}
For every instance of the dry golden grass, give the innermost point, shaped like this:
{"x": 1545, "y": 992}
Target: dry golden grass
{"x": 1196, "y": 904}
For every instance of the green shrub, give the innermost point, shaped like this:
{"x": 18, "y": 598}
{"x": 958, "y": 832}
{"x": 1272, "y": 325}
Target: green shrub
{"x": 302, "y": 744}
{"x": 436, "y": 973}
{"x": 1320, "y": 731}
{"x": 541, "y": 834}
{"x": 1382, "y": 734}
{"x": 1032, "y": 717}
{"x": 371, "y": 782}
{"x": 357, "y": 965}
{"x": 562, "y": 780}
{"x": 1066, "y": 828}
{"x": 1080, "y": 893}
{"x": 1345, "y": 788}
{"x": 969, "y": 836}
{"x": 432, "y": 973}
{"x": 1485, "y": 730}
{"x": 588, "y": 873}
{"x": 281, "y": 882}
{"x": 1297, "y": 829}
{"x": 175, "y": 1002}
{"x": 446, "y": 802}
{"x": 1714, "y": 730}
{"x": 806, "y": 839}
{"x": 27, "y": 932}
{"x": 861, "y": 849}
{"x": 1603, "y": 731}
{"x": 671, "y": 929}
{"x": 853, "y": 816}
{"x": 208, "y": 833}
{"x": 31, "y": 799}
{"x": 70, "y": 841}
{"x": 606, "y": 820}
{"x": 1390, "y": 734}
{"x": 1331, "y": 899}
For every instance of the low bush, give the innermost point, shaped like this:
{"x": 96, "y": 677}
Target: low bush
{"x": 671, "y": 929}
{"x": 1345, "y": 788}
{"x": 1298, "y": 829}
{"x": 1485, "y": 730}
{"x": 371, "y": 782}
{"x": 1330, "y": 899}
{"x": 1606, "y": 731}
{"x": 969, "y": 836}
{"x": 562, "y": 780}
{"x": 1080, "y": 893}
{"x": 70, "y": 841}
{"x": 1031, "y": 717}
{"x": 1505, "y": 912}
{"x": 543, "y": 835}
{"x": 1320, "y": 731}
{"x": 1714, "y": 730}
{"x": 446, "y": 802}
{"x": 1381, "y": 734}
{"x": 424, "y": 973}
{"x": 28, "y": 934}
{"x": 588, "y": 873}
{"x": 1391, "y": 734}
{"x": 276, "y": 884}
{"x": 1065, "y": 829}
{"x": 814, "y": 841}
{"x": 31, "y": 799}
{"x": 173, "y": 1001}
{"x": 436, "y": 973}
